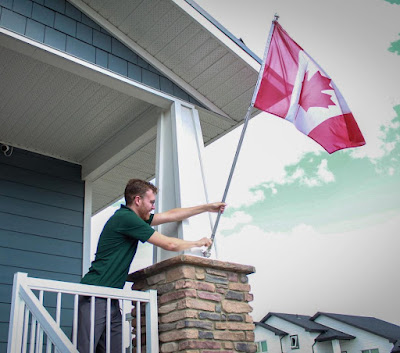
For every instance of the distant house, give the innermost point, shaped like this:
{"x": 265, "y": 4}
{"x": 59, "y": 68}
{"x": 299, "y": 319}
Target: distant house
{"x": 326, "y": 333}
{"x": 93, "y": 93}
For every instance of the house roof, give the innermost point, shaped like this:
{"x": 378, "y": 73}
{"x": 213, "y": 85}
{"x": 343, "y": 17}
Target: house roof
{"x": 369, "y": 324}
{"x": 271, "y": 328}
{"x": 304, "y": 321}
{"x": 71, "y": 109}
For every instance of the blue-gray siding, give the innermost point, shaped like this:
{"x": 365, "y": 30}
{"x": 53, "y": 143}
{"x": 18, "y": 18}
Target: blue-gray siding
{"x": 59, "y": 24}
{"x": 41, "y": 226}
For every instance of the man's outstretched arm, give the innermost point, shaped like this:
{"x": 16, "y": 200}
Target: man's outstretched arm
{"x": 175, "y": 244}
{"x": 179, "y": 214}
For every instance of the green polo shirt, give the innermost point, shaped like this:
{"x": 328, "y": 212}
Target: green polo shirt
{"x": 116, "y": 248}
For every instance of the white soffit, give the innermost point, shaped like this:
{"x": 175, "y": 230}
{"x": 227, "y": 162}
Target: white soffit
{"x": 185, "y": 46}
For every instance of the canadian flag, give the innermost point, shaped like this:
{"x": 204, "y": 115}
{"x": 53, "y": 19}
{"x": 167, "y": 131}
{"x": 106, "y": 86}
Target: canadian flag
{"x": 294, "y": 87}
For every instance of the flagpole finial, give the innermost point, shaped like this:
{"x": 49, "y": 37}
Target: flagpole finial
{"x": 276, "y": 17}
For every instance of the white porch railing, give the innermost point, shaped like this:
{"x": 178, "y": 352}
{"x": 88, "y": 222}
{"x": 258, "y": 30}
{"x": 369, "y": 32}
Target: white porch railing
{"x": 32, "y": 327}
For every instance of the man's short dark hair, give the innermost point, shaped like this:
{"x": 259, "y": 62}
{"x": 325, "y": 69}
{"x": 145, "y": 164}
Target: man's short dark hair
{"x": 137, "y": 187}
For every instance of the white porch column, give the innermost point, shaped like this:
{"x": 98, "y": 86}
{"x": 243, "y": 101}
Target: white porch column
{"x": 179, "y": 174}
{"x": 336, "y": 346}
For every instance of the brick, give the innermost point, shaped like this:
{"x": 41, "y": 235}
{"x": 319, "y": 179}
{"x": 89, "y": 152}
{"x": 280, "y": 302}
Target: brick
{"x": 231, "y": 294}
{"x": 250, "y": 336}
{"x": 200, "y": 272}
{"x": 167, "y": 327}
{"x": 195, "y": 285}
{"x": 199, "y": 345}
{"x": 246, "y": 347}
{"x": 216, "y": 279}
{"x": 206, "y": 335}
{"x": 168, "y": 297}
{"x": 218, "y": 273}
{"x": 239, "y": 286}
{"x": 169, "y": 347}
{"x": 178, "y": 315}
{"x": 234, "y": 326}
{"x": 196, "y": 304}
{"x": 165, "y": 288}
{"x": 244, "y": 279}
{"x": 209, "y": 296}
{"x": 227, "y": 345}
{"x": 248, "y": 297}
{"x": 229, "y": 351}
{"x": 221, "y": 291}
{"x": 165, "y": 309}
{"x": 178, "y": 335}
{"x": 233, "y": 277}
{"x": 235, "y": 317}
{"x": 248, "y": 318}
{"x": 210, "y": 316}
{"x": 235, "y": 307}
{"x": 205, "y": 325}
{"x": 180, "y": 273}
{"x": 160, "y": 277}
{"x": 229, "y": 336}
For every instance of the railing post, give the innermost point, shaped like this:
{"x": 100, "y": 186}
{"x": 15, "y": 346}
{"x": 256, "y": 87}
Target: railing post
{"x": 152, "y": 323}
{"x": 15, "y": 331}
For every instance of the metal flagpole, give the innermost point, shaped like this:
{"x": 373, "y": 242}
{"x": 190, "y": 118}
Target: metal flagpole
{"x": 207, "y": 252}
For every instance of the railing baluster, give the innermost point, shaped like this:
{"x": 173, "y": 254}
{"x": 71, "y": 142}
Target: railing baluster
{"x": 33, "y": 331}
{"x": 49, "y": 345}
{"x": 75, "y": 324}
{"x": 25, "y": 332}
{"x": 39, "y": 334}
{"x": 138, "y": 329}
{"x": 108, "y": 325}
{"x": 58, "y": 312}
{"x": 92, "y": 307}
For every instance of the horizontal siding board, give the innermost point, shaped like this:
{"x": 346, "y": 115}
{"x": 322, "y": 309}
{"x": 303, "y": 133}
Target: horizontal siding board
{"x": 43, "y": 165}
{"x": 30, "y": 260}
{"x": 7, "y": 275}
{"x": 40, "y": 227}
{"x": 34, "y": 243}
{"x": 48, "y": 197}
{"x": 42, "y": 181}
{"x": 40, "y": 211}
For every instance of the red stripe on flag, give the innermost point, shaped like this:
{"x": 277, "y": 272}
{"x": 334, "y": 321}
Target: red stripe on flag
{"x": 337, "y": 133}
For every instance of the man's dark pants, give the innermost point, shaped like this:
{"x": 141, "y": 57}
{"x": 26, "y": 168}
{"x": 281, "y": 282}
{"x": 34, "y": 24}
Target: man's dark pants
{"x": 100, "y": 326}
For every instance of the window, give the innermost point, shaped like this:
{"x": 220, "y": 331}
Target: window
{"x": 262, "y": 346}
{"x": 294, "y": 342}
{"x": 373, "y": 350}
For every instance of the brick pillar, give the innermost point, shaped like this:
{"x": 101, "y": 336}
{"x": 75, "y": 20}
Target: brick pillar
{"x": 203, "y": 304}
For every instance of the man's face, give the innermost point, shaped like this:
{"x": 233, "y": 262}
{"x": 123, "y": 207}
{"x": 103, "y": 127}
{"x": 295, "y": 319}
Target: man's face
{"x": 147, "y": 205}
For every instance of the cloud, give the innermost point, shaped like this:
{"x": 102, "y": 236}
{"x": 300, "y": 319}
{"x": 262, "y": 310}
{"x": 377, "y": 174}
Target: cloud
{"x": 304, "y": 271}
{"x": 237, "y": 218}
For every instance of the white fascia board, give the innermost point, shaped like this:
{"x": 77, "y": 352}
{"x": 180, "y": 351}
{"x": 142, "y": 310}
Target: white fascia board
{"x": 102, "y": 22}
{"x": 82, "y": 68}
{"x": 218, "y": 34}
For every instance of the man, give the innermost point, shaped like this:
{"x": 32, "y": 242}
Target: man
{"x": 116, "y": 249}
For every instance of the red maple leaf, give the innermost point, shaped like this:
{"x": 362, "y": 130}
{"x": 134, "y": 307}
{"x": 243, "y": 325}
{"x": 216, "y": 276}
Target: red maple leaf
{"x": 311, "y": 93}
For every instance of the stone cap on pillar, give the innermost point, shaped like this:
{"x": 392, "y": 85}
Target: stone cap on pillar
{"x": 190, "y": 260}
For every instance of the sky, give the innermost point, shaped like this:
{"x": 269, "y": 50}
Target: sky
{"x": 322, "y": 230}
